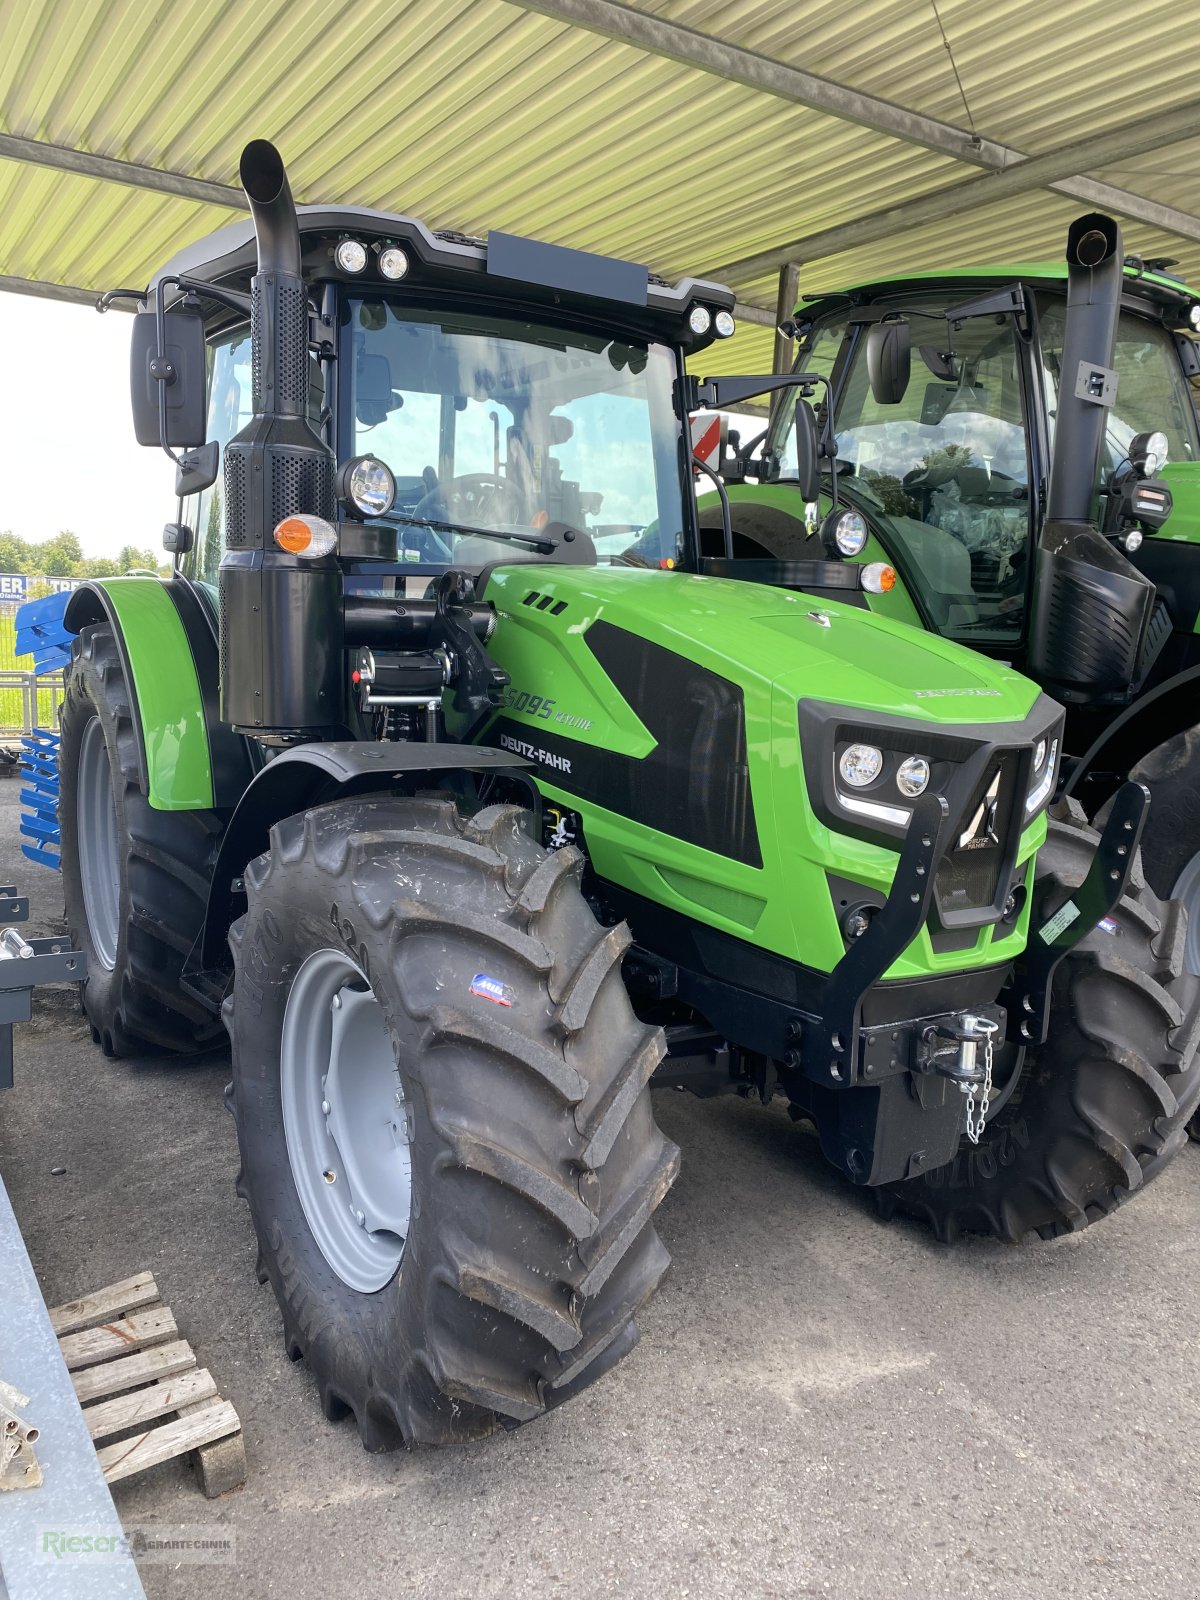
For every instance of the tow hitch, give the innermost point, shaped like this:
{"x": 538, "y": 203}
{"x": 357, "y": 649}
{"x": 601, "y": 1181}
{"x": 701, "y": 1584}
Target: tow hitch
{"x": 961, "y": 1048}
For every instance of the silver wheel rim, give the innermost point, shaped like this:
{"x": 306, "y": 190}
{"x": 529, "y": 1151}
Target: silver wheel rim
{"x": 98, "y": 852}
{"x": 1187, "y": 889}
{"x": 346, "y": 1121}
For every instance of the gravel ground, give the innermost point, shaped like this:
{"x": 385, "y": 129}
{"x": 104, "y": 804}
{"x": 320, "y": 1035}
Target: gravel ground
{"x": 821, "y": 1404}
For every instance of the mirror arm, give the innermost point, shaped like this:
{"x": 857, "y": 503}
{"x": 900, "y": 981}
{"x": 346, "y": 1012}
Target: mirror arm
{"x": 1007, "y": 302}
{"x": 714, "y": 394}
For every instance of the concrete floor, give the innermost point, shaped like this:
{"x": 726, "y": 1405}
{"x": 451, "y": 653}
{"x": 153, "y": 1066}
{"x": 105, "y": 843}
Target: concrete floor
{"x": 820, "y": 1405}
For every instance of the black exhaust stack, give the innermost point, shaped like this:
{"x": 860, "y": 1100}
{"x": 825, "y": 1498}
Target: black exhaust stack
{"x": 1095, "y": 261}
{"x": 282, "y": 662}
{"x": 1091, "y": 606}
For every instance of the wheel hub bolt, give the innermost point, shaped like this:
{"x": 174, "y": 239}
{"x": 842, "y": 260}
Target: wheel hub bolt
{"x": 359, "y": 1217}
{"x": 329, "y": 1175}
{"x": 324, "y": 1108}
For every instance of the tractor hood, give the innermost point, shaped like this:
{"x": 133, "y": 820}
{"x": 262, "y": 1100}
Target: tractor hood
{"x": 746, "y": 632}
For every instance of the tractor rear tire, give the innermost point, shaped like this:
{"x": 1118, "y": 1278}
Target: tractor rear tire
{"x": 525, "y": 1163}
{"x": 1171, "y": 837}
{"x": 1099, "y": 1108}
{"x": 135, "y": 880}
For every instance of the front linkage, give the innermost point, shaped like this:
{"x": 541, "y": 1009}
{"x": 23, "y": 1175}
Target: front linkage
{"x": 892, "y": 1099}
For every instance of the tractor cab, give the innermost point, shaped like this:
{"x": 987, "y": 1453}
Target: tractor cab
{"x": 474, "y": 394}
{"x": 944, "y": 399}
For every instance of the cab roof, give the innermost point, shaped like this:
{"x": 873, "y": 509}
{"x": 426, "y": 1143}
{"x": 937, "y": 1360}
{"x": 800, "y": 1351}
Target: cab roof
{"x": 1157, "y": 287}
{"x": 504, "y": 267}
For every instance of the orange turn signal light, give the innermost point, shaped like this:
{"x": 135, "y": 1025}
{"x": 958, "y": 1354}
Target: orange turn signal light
{"x": 306, "y": 536}
{"x": 878, "y": 577}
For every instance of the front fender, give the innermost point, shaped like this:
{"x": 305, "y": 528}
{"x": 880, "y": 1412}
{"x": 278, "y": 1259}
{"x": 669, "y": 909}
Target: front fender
{"x": 1152, "y": 719}
{"x": 308, "y": 775}
{"x": 187, "y": 759}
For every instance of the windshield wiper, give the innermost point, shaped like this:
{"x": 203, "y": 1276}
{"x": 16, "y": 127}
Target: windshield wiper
{"x": 539, "y": 541}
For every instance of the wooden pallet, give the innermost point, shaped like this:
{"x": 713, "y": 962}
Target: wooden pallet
{"x": 130, "y": 1368}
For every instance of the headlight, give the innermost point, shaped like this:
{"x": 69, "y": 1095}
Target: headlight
{"x": 725, "y": 324}
{"x": 850, "y": 533}
{"x": 699, "y": 319}
{"x": 860, "y": 764}
{"x": 365, "y": 487}
{"x": 1194, "y": 316}
{"x": 912, "y": 776}
{"x": 1043, "y": 775}
{"x": 350, "y": 255}
{"x": 393, "y": 263}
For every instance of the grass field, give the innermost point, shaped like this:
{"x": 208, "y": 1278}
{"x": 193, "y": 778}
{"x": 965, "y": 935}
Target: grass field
{"x": 12, "y": 699}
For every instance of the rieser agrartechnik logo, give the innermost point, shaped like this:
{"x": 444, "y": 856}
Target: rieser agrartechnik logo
{"x": 183, "y": 1544}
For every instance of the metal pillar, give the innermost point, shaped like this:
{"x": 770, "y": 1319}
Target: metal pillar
{"x": 74, "y": 1497}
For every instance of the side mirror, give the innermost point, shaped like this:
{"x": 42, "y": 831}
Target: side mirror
{"x": 808, "y": 452}
{"x": 197, "y": 469}
{"x": 179, "y": 371}
{"x": 889, "y": 361}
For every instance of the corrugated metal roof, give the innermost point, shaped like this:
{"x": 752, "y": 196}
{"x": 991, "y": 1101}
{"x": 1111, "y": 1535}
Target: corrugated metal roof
{"x": 481, "y": 113}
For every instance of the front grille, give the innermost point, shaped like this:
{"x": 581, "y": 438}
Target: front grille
{"x": 969, "y": 875}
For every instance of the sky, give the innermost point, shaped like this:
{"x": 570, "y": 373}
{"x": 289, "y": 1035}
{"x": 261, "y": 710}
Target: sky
{"x": 70, "y": 458}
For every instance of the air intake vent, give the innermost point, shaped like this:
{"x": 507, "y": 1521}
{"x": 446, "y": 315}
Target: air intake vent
{"x": 299, "y": 483}
{"x": 235, "y": 499}
{"x": 545, "y": 602}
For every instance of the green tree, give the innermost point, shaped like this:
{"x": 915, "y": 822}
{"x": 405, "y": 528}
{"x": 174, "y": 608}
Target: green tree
{"x": 130, "y": 557}
{"x": 62, "y": 556}
{"x": 14, "y": 553}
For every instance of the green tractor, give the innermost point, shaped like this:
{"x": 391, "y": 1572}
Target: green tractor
{"x": 1020, "y": 444}
{"x": 453, "y": 780}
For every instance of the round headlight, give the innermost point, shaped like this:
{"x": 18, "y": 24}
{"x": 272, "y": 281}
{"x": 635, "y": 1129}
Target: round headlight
{"x": 725, "y": 325}
{"x": 1039, "y": 755}
{"x": 912, "y": 776}
{"x": 1156, "y": 453}
{"x": 1194, "y": 315}
{"x": 350, "y": 255}
{"x": 860, "y": 764}
{"x": 850, "y": 533}
{"x": 393, "y": 263}
{"x": 699, "y": 319}
{"x": 366, "y": 486}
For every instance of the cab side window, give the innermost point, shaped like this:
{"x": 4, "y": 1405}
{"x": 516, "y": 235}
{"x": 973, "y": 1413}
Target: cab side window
{"x": 230, "y": 406}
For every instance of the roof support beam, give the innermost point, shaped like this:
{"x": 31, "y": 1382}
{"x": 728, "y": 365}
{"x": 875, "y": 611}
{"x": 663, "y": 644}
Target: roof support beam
{"x": 1035, "y": 172}
{"x": 61, "y": 159}
{"x": 131, "y": 173}
{"x": 705, "y": 51}
{"x": 40, "y": 290}
{"x": 758, "y": 315}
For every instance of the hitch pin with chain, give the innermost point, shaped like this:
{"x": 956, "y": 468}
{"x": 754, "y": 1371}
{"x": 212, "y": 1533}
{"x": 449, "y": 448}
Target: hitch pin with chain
{"x": 979, "y": 1094}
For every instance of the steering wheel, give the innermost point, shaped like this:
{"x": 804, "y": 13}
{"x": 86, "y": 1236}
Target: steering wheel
{"x": 476, "y": 499}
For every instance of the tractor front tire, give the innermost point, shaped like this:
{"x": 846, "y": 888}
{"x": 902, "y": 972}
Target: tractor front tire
{"x": 1102, "y": 1106}
{"x": 135, "y": 880}
{"x": 446, "y": 1137}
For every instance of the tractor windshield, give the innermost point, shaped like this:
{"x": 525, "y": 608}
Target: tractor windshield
{"x": 943, "y": 473}
{"x": 1152, "y": 391}
{"x": 505, "y": 424}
